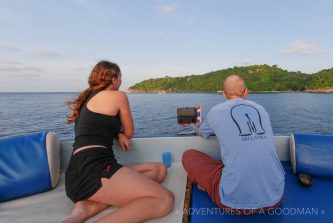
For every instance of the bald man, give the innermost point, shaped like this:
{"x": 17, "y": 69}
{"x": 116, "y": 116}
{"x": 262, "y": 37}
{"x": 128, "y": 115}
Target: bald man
{"x": 249, "y": 178}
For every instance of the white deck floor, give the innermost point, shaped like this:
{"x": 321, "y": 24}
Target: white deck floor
{"x": 54, "y": 206}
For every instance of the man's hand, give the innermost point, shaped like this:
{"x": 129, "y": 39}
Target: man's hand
{"x": 124, "y": 142}
{"x": 199, "y": 134}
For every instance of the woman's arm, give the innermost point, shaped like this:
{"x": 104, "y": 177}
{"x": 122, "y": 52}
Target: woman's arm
{"x": 126, "y": 116}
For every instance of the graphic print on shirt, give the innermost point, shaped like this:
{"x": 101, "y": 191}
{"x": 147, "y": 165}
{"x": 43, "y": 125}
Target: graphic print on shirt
{"x": 247, "y": 119}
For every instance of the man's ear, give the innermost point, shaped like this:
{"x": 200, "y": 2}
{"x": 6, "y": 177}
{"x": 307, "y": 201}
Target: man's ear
{"x": 246, "y": 92}
{"x": 224, "y": 94}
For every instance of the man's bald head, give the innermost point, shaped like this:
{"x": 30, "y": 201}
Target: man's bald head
{"x": 234, "y": 87}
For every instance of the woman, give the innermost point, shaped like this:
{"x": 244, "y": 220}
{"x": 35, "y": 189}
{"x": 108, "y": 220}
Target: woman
{"x": 94, "y": 178}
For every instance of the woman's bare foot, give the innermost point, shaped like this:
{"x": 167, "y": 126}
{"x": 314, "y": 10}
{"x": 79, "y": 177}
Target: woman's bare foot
{"x": 73, "y": 219}
{"x": 83, "y": 210}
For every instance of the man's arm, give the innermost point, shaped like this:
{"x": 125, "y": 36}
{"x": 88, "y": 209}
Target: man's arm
{"x": 205, "y": 130}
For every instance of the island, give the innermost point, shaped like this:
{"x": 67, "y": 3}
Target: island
{"x": 259, "y": 78}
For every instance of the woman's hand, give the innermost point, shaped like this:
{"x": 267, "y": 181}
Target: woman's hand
{"x": 124, "y": 142}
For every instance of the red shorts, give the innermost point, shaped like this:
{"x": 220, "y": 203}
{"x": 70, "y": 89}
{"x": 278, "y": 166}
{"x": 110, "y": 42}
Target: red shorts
{"x": 206, "y": 172}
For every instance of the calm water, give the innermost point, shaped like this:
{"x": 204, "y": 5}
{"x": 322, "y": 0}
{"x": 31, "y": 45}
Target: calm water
{"x": 155, "y": 114}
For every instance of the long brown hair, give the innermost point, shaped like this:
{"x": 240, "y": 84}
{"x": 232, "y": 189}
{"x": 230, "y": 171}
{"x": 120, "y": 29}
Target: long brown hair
{"x": 100, "y": 78}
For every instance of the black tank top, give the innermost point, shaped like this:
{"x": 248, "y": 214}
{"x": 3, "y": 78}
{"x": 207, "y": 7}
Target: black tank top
{"x": 93, "y": 128}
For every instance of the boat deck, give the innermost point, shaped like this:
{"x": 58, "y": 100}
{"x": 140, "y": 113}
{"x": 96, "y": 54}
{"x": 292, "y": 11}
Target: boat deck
{"x": 300, "y": 204}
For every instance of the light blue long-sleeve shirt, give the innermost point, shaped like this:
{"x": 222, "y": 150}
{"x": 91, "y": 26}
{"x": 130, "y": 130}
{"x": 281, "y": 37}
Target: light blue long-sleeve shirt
{"x": 253, "y": 176}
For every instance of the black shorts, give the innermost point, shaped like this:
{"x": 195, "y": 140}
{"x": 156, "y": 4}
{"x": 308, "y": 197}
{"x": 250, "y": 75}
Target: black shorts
{"x": 85, "y": 170}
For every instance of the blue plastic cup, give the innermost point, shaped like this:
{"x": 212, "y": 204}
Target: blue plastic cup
{"x": 166, "y": 157}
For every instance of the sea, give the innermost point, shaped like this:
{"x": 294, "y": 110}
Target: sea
{"x": 156, "y": 114}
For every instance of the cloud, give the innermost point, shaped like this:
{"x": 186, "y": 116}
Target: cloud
{"x": 14, "y": 76}
{"x": 10, "y": 69}
{"x": 157, "y": 34}
{"x": 243, "y": 61}
{"x": 18, "y": 68}
{"x": 34, "y": 52}
{"x": 47, "y": 53}
{"x": 10, "y": 62}
{"x": 33, "y": 69}
{"x": 100, "y": 10}
{"x": 10, "y": 49}
{"x": 169, "y": 8}
{"x": 48, "y": 75}
{"x": 303, "y": 48}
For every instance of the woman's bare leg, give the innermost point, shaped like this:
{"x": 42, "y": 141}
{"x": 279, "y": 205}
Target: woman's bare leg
{"x": 83, "y": 210}
{"x": 155, "y": 171}
{"x": 139, "y": 197}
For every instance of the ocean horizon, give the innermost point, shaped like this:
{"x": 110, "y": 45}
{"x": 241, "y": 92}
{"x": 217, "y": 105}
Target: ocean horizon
{"x": 155, "y": 114}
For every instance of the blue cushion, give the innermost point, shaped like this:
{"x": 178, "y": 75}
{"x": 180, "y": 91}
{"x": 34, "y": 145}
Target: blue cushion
{"x": 312, "y": 154}
{"x": 299, "y": 204}
{"x": 24, "y": 168}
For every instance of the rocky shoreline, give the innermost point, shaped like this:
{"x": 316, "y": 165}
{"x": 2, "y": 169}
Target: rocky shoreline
{"x": 320, "y": 90}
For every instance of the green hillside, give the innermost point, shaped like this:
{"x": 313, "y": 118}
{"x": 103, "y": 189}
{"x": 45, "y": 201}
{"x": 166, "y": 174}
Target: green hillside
{"x": 321, "y": 80}
{"x": 257, "y": 77}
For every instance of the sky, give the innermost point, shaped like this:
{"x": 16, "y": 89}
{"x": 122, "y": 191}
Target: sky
{"x": 52, "y": 45}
